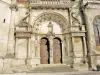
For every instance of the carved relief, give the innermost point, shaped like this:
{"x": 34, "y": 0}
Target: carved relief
{"x": 75, "y": 21}
{"x": 23, "y": 24}
{"x": 55, "y": 17}
{"x": 76, "y": 15}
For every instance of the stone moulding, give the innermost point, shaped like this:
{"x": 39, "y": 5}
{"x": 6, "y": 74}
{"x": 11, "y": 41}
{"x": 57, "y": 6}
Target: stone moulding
{"x": 19, "y": 34}
{"x": 23, "y": 30}
{"x": 50, "y": 4}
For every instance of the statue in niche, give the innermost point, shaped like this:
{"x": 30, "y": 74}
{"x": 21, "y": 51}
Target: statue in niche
{"x": 50, "y": 29}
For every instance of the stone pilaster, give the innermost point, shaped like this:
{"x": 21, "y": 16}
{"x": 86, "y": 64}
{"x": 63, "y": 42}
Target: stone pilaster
{"x": 85, "y": 49}
{"x": 88, "y": 39}
{"x": 29, "y": 50}
{"x": 71, "y": 53}
{"x": 65, "y": 49}
{"x": 16, "y": 51}
{"x": 10, "y": 49}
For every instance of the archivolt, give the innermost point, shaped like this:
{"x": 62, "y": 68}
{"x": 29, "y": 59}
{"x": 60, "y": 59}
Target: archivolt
{"x": 55, "y": 17}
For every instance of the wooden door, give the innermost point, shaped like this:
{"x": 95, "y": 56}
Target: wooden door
{"x": 57, "y": 51}
{"x": 44, "y": 51}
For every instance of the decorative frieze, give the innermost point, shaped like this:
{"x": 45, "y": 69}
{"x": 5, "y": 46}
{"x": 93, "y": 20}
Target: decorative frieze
{"x": 77, "y": 29}
{"x": 77, "y": 34}
{"x": 23, "y": 34}
{"x": 50, "y": 3}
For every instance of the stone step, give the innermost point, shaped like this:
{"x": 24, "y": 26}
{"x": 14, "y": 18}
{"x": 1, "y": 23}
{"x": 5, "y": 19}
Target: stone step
{"x": 52, "y": 68}
{"x": 59, "y": 73}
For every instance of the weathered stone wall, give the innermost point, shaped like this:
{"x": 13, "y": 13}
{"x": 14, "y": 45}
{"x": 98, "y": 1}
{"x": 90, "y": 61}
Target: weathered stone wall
{"x": 90, "y": 19}
{"x": 5, "y": 12}
{"x": 27, "y": 50}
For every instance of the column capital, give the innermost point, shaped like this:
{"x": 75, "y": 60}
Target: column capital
{"x": 14, "y": 7}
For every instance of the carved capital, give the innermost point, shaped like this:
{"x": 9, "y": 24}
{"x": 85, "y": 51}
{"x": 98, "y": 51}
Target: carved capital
{"x": 14, "y": 7}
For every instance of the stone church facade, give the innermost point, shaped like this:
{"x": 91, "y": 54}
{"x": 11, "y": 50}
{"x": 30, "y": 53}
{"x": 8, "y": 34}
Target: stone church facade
{"x": 49, "y": 33}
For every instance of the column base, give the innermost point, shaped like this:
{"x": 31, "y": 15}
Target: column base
{"x": 79, "y": 65}
{"x": 33, "y": 61}
{"x": 51, "y": 60}
{"x": 66, "y": 60}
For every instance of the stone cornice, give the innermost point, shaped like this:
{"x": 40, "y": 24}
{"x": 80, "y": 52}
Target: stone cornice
{"x": 92, "y": 4}
{"x": 50, "y": 4}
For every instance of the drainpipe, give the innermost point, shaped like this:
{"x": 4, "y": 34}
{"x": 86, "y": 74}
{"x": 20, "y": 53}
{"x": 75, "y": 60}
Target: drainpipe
{"x": 85, "y": 22}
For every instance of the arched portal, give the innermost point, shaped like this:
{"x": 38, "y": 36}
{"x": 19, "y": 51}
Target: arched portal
{"x": 50, "y": 25}
{"x": 44, "y": 51}
{"x": 57, "y": 50}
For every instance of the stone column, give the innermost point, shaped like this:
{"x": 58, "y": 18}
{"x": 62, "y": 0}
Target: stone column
{"x": 51, "y": 49}
{"x": 85, "y": 48}
{"x": 16, "y": 51}
{"x": 36, "y": 58}
{"x": 71, "y": 52}
{"x": 70, "y": 39}
{"x": 10, "y": 49}
{"x": 30, "y": 16}
{"x": 65, "y": 49}
{"x": 29, "y": 50}
{"x": 88, "y": 39}
{"x": 85, "y": 21}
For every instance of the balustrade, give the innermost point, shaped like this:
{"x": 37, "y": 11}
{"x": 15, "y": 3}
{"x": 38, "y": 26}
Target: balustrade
{"x": 49, "y": 2}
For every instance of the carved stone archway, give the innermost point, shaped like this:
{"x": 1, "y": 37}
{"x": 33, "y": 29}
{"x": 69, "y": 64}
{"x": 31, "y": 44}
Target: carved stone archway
{"x": 52, "y": 19}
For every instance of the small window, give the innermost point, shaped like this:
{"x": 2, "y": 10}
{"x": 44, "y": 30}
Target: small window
{"x": 4, "y": 20}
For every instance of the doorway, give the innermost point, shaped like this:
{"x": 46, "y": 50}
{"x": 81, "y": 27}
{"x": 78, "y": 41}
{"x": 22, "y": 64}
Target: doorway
{"x": 57, "y": 50}
{"x": 45, "y": 51}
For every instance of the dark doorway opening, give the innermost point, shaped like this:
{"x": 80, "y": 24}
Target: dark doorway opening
{"x": 45, "y": 51}
{"x": 57, "y": 50}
